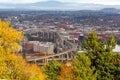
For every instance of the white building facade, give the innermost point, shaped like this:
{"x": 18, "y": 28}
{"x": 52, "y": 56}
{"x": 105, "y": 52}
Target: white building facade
{"x": 46, "y": 47}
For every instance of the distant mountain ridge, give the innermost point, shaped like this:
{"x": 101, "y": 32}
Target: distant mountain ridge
{"x": 56, "y": 5}
{"x": 49, "y": 3}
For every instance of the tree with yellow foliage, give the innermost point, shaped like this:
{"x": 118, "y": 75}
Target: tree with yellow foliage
{"x": 9, "y": 37}
{"x": 12, "y": 66}
{"x": 66, "y": 72}
{"x": 36, "y": 72}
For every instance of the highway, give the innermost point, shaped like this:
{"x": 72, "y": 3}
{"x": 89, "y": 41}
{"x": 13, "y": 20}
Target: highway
{"x": 51, "y": 56}
{"x": 70, "y": 51}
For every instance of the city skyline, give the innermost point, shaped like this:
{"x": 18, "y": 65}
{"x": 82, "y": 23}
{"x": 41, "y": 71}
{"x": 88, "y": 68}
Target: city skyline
{"x": 105, "y": 2}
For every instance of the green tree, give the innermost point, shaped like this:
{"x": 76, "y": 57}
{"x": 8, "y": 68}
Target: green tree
{"x": 117, "y": 65}
{"x": 82, "y": 68}
{"x": 52, "y": 70}
{"x": 101, "y": 55}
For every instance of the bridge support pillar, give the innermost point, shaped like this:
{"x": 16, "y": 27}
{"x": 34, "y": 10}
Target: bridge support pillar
{"x": 62, "y": 56}
{"x": 35, "y": 61}
{"x": 67, "y": 55}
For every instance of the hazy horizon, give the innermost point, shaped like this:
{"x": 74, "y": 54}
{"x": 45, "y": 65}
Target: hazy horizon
{"x": 104, "y": 2}
{"x": 59, "y": 4}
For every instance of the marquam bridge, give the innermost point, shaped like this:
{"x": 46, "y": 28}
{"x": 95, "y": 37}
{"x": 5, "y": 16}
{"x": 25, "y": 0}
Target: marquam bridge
{"x": 68, "y": 48}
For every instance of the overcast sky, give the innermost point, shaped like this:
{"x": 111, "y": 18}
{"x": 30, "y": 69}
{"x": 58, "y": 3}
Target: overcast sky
{"x": 107, "y": 2}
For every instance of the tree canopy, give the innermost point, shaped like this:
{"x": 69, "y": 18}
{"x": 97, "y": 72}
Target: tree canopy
{"x": 13, "y": 66}
{"x": 101, "y": 55}
{"x": 82, "y": 68}
{"x": 52, "y": 70}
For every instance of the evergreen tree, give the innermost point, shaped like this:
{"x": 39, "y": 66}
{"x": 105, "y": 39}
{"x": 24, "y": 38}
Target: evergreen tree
{"x": 101, "y": 55}
{"x": 82, "y": 68}
{"x": 52, "y": 70}
{"x": 117, "y": 65}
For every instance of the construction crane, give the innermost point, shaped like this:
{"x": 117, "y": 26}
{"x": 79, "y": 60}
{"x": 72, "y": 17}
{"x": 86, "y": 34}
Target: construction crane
{"x": 45, "y": 59}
